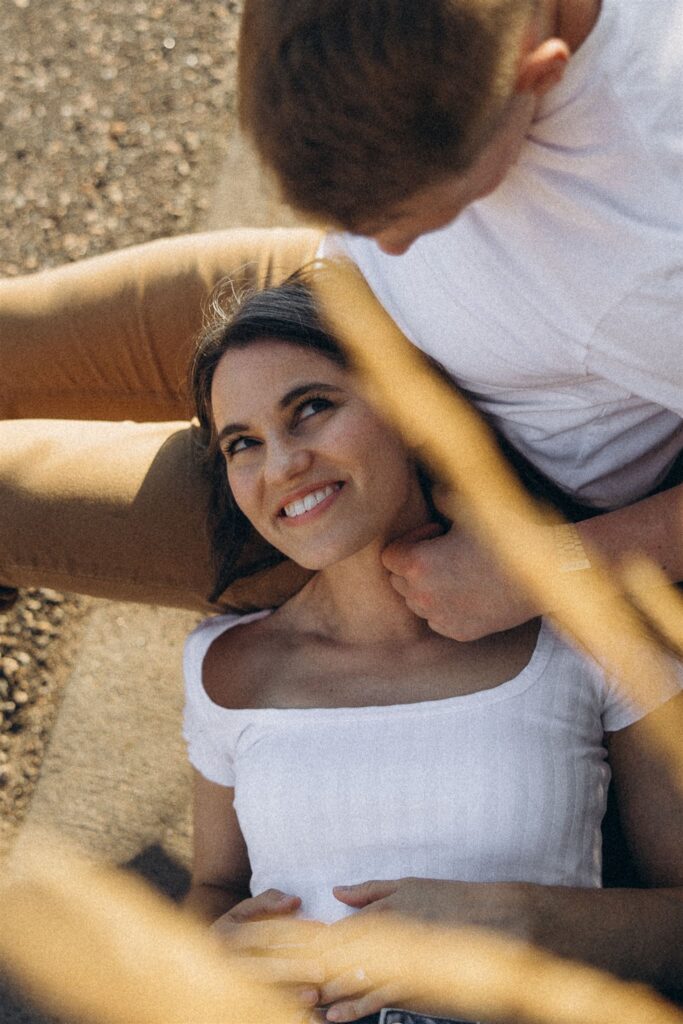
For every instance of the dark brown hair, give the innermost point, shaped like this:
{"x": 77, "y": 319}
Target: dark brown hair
{"x": 358, "y": 105}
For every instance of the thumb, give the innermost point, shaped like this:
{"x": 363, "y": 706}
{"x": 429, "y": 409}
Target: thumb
{"x": 365, "y": 893}
{"x": 270, "y": 902}
{"x": 395, "y": 555}
{"x": 428, "y": 531}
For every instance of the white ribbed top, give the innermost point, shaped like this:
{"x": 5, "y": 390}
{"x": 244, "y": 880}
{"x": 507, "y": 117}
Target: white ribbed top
{"x": 506, "y": 784}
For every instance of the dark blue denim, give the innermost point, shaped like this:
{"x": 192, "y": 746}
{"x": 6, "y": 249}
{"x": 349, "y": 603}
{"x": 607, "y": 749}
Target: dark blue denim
{"x": 392, "y": 1016}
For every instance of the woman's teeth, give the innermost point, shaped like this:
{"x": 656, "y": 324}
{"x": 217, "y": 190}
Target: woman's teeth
{"x": 305, "y": 504}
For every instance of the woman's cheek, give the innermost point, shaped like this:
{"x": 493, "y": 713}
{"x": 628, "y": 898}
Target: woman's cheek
{"x": 354, "y": 438}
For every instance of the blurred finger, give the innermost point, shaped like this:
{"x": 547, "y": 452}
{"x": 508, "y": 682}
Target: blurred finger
{"x": 363, "y": 1006}
{"x": 307, "y": 996}
{"x": 307, "y": 973}
{"x": 276, "y": 934}
{"x": 346, "y": 986}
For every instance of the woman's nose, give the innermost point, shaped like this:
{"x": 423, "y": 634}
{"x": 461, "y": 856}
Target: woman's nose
{"x": 284, "y": 461}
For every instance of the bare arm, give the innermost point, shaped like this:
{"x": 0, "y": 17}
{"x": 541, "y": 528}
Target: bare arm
{"x": 653, "y": 526}
{"x": 220, "y": 863}
{"x": 634, "y": 933}
{"x": 259, "y": 927}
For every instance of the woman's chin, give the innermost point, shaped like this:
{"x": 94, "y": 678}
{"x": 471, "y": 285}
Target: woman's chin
{"x": 315, "y": 562}
{"x": 324, "y": 557}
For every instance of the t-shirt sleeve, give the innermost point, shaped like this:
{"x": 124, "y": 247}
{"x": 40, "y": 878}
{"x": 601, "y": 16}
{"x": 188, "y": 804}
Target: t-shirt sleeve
{"x": 622, "y": 707}
{"x": 639, "y": 341}
{"x": 208, "y": 742}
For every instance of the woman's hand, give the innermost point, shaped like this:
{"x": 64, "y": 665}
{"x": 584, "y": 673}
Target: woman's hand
{"x": 352, "y": 993}
{"x": 274, "y": 948}
{"x": 269, "y": 904}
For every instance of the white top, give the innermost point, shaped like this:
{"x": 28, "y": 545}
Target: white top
{"x": 507, "y": 784}
{"x": 557, "y": 302}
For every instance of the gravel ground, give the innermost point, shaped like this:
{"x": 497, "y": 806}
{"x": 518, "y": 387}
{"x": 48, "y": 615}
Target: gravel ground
{"x": 115, "y": 120}
{"x": 37, "y": 638}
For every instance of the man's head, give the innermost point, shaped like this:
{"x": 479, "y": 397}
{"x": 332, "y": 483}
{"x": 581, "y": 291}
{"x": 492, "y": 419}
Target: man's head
{"x": 378, "y": 114}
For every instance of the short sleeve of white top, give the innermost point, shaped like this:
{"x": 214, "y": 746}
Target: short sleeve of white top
{"x": 557, "y": 301}
{"x": 505, "y": 784}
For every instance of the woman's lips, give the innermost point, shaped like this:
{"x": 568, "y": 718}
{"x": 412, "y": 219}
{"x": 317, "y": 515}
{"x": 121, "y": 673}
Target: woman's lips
{"x": 311, "y": 503}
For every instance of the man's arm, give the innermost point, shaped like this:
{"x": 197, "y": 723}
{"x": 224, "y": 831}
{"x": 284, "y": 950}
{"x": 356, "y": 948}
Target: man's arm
{"x": 459, "y": 587}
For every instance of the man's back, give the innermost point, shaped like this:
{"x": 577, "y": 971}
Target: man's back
{"x": 555, "y": 302}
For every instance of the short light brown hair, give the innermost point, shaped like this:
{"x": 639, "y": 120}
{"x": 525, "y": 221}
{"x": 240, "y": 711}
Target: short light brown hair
{"x": 358, "y": 104}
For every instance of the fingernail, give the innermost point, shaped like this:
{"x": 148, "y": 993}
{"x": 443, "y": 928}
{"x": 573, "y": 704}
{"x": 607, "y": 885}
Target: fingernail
{"x": 309, "y": 996}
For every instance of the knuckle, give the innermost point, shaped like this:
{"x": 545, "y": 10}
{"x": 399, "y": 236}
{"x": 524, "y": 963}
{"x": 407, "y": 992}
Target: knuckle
{"x": 413, "y": 564}
{"x": 399, "y": 559}
{"x": 421, "y": 604}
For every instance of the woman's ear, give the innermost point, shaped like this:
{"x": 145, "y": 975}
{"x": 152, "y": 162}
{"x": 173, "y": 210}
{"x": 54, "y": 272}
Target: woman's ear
{"x": 542, "y": 68}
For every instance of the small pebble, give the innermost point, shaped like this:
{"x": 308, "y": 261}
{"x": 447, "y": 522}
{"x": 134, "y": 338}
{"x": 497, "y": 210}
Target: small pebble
{"x": 9, "y": 667}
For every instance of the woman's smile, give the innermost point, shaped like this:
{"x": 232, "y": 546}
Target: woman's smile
{"x": 308, "y": 503}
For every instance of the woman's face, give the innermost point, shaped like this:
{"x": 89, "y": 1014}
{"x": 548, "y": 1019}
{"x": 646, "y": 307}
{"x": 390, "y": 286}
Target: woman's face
{"x": 309, "y": 463}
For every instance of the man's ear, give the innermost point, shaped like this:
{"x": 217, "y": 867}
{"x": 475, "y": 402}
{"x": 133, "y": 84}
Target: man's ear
{"x": 542, "y": 68}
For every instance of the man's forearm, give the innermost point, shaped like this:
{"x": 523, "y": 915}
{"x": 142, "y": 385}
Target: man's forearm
{"x": 652, "y": 527}
{"x": 635, "y": 934}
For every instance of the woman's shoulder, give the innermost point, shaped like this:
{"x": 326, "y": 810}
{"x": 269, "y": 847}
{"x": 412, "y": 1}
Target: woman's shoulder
{"x": 231, "y": 658}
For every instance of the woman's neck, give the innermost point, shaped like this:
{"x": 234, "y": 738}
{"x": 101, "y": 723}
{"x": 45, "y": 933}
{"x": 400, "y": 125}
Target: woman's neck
{"x": 353, "y": 600}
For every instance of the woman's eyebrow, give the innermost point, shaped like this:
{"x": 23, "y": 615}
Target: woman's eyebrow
{"x": 231, "y": 428}
{"x": 303, "y": 389}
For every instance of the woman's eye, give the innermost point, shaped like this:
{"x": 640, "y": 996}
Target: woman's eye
{"x": 311, "y": 406}
{"x": 240, "y": 444}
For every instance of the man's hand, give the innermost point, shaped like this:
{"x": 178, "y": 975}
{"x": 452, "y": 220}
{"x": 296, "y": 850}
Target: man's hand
{"x": 449, "y": 580}
{"x": 275, "y": 948}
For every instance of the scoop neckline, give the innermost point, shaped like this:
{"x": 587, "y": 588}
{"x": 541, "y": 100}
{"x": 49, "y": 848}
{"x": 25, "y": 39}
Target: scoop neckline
{"x": 534, "y": 668}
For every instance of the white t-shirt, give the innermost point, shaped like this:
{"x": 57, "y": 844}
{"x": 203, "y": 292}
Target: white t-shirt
{"x": 557, "y": 302}
{"x": 508, "y": 784}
